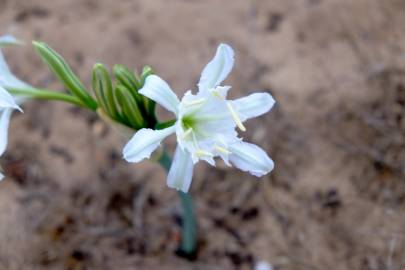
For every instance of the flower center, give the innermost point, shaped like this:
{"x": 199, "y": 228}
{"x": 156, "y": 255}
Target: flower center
{"x": 188, "y": 122}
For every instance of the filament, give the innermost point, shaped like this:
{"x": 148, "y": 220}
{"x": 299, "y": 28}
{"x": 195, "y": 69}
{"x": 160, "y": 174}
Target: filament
{"x": 235, "y": 117}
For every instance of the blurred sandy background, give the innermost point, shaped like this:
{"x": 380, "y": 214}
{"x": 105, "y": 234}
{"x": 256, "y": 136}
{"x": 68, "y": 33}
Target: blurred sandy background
{"x": 336, "y": 198}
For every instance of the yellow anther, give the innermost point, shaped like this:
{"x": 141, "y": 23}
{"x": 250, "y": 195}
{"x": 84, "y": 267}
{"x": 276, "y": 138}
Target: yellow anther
{"x": 194, "y": 102}
{"x": 216, "y": 93}
{"x": 202, "y": 153}
{"x": 187, "y": 133}
{"x": 222, "y": 150}
{"x": 235, "y": 117}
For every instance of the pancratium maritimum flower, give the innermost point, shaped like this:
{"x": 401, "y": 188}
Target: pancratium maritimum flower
{"x": 8, "y": 103}
{"x": 205, "y": 124}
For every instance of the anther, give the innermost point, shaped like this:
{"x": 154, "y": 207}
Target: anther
{"x": 216, "y": 93}
{"x": 222, "y": 150}
{"x": 202, "y": 153}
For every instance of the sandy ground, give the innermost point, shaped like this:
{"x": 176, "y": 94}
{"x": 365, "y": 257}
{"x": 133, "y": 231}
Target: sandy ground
{"x": 336, "y": 198}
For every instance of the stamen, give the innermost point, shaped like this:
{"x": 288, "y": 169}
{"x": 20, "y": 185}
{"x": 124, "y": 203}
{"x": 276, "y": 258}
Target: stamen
{"x": 187, "y": 133}
{"x": 216, "y": 93}
{"x": 202, "y": 153}
{"x": 222, "y": 150}
{"x": 195, "y": 142}
{"x": 194, "y": 102}
{"x": 235, "y": 117}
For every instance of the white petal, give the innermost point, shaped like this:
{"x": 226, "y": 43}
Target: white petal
{"x": 4, "y": 70}
{"x": 181, "y": 171}
{"x": 250, "y": 158}
{"x": 221, "y": 146}
{"x": 7, "y": 78}
{"x": 158, "y": 90}
{"x": 4, "y": 122}
{"x": 144, "y": 142}
{"x": 9, "y": 40}
{"x": 1, "y": 176}
{"x": 7, "y": 100}
{"x": 218, "y": 69}
{"x": 253, "y": 105}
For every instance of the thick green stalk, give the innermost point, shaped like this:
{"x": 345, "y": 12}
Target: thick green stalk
{"x": 46, "y": 95}
{"x": 189, "y": 230}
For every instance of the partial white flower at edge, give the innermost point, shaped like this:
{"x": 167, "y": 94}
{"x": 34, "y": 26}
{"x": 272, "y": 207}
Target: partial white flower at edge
{"x": 206, "y": 124}
{"x": 263, "y": 265}
{"x": 8, "y": 103}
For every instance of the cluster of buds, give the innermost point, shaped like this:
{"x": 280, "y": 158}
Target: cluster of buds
{"x": 117, "y": 102}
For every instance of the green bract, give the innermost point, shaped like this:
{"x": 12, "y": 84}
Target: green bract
{"x": 103, "y": 90}
{"x": 130, "y": 109}
{"x": 148, "y": 103}
{"x": 65, "y": 74}
{"x": 127, "y": 78}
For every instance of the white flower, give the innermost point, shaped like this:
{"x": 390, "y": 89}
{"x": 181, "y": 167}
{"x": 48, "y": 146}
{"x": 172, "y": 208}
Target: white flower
{"x": 6, "y": 40}
{"x": 205, "y": 126}
{"x": 8, "y": 103}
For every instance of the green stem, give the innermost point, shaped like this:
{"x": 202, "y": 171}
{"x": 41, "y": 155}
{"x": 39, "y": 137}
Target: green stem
{"x": 46, "y": 94}
{"x": 166, "y": 124}
{"x": 189, "y": 230}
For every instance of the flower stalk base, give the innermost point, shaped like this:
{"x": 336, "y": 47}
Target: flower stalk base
{"x": 188, "y": 245}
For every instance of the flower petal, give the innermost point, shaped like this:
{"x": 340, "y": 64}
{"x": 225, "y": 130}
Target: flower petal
{"x": 218, "y": 69}
{"x": 1, "y": 176}
{"x": 7, "y": 100}
{"x": 144, "y": 142}
{"x": 250, "y": 158}
{"x": 158, "y": 90}
{"x": 7, "y": 79}
{"x": 4, "y": 123}
{"x": 9, "y": 40}
{"x": 253, "y": 105}
{"x": 181, "y": 171}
